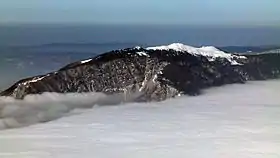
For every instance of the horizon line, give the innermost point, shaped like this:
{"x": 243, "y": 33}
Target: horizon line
{"x": 139, "y": 24}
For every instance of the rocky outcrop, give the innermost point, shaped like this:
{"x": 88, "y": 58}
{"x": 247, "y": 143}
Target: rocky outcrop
{"x": 152, "y": 74}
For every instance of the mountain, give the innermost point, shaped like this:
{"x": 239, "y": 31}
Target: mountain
{"x": 153, "y": 73}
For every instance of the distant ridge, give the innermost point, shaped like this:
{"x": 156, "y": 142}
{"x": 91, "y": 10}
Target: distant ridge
{"x": 75, "y": 44}
{"x": 65, "y": 46}
{"x": 244, "y": 49}
{"x": 70, "y": 47}
{"x": 88, "y": 44}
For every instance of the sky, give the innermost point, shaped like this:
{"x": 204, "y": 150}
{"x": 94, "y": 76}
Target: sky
{"x": 186, "y": 12}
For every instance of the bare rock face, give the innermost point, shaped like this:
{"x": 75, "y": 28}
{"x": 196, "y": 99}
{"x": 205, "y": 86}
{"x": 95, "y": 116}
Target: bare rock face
{"x": 152, "y": 74}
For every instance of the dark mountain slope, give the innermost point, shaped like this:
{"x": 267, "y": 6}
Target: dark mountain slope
{"x": 152, "y": 74}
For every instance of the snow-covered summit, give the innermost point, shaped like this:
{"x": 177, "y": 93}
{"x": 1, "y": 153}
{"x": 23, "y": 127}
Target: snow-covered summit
{"x": 208, "y": 51}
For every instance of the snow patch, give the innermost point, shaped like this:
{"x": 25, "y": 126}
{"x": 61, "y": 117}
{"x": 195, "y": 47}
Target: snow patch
{"x": 35, "y": 79}
{"x": 142, "y": 53}
{"x": 137, "y": 47}
{"x": 86, "y": 61}
{"x": 210, "y": 52}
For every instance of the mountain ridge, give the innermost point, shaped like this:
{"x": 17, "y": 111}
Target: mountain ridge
{"x": 152, "y": 73}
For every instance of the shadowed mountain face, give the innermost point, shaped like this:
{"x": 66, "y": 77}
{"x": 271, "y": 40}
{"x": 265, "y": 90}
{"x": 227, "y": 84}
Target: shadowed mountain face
{"x": 152, "y": 74}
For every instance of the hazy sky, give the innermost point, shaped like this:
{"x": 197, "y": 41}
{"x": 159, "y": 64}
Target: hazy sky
{"x": 195, "y": 12}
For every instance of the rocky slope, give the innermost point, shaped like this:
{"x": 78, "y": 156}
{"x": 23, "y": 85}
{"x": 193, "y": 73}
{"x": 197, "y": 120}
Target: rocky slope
{"x": 152, "y": 74}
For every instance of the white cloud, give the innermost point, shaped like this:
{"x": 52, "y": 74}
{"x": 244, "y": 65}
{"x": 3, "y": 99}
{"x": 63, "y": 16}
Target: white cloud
{"x": 231, "y": 121}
